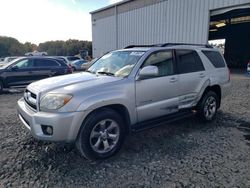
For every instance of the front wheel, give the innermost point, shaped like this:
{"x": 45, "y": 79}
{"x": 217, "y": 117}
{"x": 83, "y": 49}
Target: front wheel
{"x": 101, "y": 135}
{"x": 207, "y": 107}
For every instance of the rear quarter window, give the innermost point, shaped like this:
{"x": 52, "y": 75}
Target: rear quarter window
{"x": 215, "y": 58}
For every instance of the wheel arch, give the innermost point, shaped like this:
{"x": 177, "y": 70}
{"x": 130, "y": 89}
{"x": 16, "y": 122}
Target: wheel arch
{"x": 215, "y": 88}
{"x": 119, "y": 108}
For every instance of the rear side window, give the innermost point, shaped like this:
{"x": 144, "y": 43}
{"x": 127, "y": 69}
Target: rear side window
{"x": 215, "y": 58}
{"x": 45, "y": 63}
{"x": 188, "y": 61}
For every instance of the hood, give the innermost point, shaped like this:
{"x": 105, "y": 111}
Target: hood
{"x": 71, "y": 82}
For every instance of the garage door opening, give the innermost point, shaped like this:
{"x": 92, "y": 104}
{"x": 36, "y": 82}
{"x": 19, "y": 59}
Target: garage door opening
{"x": 218, "y": 43}
{"x": 233, "y": 26}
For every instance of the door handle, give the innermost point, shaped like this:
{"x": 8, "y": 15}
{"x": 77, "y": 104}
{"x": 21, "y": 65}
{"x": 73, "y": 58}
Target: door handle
{"x": 202, "y": 75}
{"x": 173, "y": 79}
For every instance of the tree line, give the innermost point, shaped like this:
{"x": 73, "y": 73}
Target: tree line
{"x": 12, "y": 47}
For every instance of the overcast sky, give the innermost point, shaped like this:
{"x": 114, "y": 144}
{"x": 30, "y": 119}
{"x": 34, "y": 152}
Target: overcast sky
{"x": 38, "y": 21}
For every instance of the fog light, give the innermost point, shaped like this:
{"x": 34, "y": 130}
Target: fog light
{"x": 47, "y": 129}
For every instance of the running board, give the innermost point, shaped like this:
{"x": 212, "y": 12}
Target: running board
{"x": 161, "y": 120}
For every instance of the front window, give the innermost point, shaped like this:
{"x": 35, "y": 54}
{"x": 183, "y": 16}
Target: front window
{"x": 26, "y": 63}
{"x": 163, "y": 60}
{"x": 118, "y": 63}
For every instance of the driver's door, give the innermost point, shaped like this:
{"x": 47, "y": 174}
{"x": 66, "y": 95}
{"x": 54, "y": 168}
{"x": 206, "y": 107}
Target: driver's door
{"x": 20, "y": 73}
{"x": 158, "y": 96}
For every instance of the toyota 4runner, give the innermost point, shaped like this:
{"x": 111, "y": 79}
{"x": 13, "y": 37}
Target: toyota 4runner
{"x": 125, "y": 90}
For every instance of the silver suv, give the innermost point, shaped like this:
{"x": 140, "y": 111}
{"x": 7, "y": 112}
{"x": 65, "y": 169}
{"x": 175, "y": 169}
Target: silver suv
{"x": 125, "y": 90}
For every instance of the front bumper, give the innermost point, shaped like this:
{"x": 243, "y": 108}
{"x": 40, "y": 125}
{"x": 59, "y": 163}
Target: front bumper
{"x": 65, "y": 125}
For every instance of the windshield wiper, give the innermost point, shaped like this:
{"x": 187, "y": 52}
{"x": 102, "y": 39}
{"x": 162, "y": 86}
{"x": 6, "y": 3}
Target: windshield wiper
{"x": 107, "y": 73}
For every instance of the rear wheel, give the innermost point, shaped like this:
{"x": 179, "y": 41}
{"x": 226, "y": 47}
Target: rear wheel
{"x": 101, "y": 135}
{"x": 207, "y": 107}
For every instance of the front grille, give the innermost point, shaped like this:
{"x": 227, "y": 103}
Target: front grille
{"x": 30, "y": 99}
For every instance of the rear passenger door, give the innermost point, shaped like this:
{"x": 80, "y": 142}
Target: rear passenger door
{"x": 192, "y": 77}
{"x": 46, "y": 68}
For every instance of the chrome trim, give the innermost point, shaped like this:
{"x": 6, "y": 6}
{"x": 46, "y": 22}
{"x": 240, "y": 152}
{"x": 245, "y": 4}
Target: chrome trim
{"x": 24, "y": 122}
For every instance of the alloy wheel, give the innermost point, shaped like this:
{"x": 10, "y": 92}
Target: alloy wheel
{"x": 104, "y": 136}
{"x": 210, "y": 107}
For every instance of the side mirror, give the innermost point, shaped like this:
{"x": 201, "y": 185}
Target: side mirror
{"x": 148, "y": 72}
{"x": 14, "y": 68}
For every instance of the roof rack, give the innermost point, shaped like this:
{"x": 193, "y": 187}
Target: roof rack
{"x": 168, "y": 44}
{"x": 175, "y": 44}
{"x": 141, "y": 46}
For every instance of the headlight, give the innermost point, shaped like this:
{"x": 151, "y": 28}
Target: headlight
{"x": 54, "y": 101}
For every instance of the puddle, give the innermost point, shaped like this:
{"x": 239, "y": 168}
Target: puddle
{"x": 245, "y": 128}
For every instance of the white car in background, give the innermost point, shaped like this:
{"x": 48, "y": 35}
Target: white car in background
{"x": 7, "y": 59}
{"x": 36, "y": 53}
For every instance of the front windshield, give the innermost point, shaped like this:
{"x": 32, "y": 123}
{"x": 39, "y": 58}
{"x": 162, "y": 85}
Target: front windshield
{"x": 118, "y": 63}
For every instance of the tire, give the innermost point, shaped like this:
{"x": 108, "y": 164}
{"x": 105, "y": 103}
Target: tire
{"x": 207, "y": 107}
{"x": 94, "y": 139}
{"x": 1, "y": 86}
{"x": 74, "y": 69}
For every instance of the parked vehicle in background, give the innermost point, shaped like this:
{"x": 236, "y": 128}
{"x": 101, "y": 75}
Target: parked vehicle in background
{"x": 125, "y": 90}
{"x": 69, "y": 59}
{"x": 72, "y": 58}
{"x": 85, "y": 66}
{"x": 8, "y": 59}
{"x": 77, "y": 64}
{"x": 25, "y": 70}
{"x": 36, "y": 53}
{"x": 1, "y": 59}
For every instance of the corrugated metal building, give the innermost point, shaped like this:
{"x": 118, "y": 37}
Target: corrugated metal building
{"x": 161, "y": 21}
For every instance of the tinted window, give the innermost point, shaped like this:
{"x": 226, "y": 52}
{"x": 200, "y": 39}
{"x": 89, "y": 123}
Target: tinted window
{"x": 215, "y": 58}
{"x": 25, "y": 63}
{"x": 45, "y": 63}
{"x": 188, "y": 61}
{"x": 163, "y": 60}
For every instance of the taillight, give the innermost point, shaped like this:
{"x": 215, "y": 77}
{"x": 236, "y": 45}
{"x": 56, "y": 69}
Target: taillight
{"x": 69, "y": 69}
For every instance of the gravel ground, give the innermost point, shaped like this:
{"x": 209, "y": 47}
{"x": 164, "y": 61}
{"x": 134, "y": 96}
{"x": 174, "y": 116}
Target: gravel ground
{"x": 186, "y": 153}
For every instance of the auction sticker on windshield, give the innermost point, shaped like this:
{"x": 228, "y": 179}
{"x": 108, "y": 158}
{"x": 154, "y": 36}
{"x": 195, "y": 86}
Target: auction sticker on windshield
{"x": 137, "y": 53}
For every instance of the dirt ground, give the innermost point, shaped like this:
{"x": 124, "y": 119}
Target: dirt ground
{"x": 186, "y": 153}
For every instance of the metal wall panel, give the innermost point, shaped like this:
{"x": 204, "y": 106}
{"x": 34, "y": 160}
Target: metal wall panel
{"x": 104, "y": 35}
{"x": 165, "y": 21}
